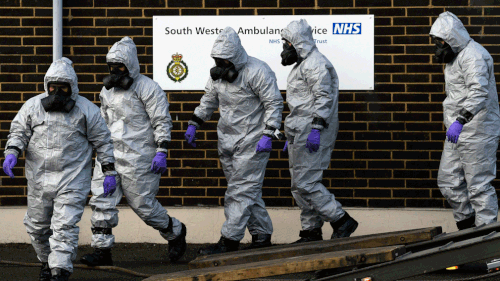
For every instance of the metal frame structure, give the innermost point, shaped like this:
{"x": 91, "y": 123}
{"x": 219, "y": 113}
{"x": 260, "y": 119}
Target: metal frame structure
{"x": 412, "y": 264}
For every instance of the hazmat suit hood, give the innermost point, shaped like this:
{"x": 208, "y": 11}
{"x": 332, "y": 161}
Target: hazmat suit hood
{"x": 299, "y": 33}
{"x": 125, "y": 51}
{"x": 228, "y": 46}
{"x": 62, "y": 71}
{"x": 449, "y": 28}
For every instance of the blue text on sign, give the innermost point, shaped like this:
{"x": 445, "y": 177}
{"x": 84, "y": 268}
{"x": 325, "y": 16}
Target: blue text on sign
{"x": 346, "y": 28}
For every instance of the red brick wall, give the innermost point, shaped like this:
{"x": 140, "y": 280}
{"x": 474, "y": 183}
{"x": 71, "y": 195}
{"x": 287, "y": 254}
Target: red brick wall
{"x": 390, "y": 141}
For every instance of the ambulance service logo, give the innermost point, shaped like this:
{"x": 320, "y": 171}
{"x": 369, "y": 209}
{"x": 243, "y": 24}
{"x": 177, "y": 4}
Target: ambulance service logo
{"x": 177, "y": 69}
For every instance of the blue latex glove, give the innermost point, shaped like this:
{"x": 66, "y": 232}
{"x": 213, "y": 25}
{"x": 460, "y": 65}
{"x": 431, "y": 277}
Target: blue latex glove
{"x": 9, "y": 163}
{"x": 109, "y": 185}
{"x": 454, "y": 131}
{"x": 189, "y": 135}
{"x": 159, "y": 164}
{"x": 313, "y": 140}
{"x": 286, "y": 146}
{"x": 265, "y": 144}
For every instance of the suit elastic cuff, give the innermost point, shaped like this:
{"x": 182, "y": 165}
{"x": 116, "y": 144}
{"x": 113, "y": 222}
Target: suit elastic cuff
{"x": 107, "y": 167}
{"x": 162, "y": 147}
{"x": 164, "y": 150}
{"x": 13, "y": 150}
{"x": 268, "y": 133}
{"x": 269, "y": 130}
{"x": 461, "y": 120}
{"x": 111, "y": 173}
{"x": 196, "y": 121}
{"x": 467, "y": 115}
{"x": 191, "y": 122}
{"x": 319, "y": 123}
{"x": 163, "y": 144}
{"x": 318, "y": 127}
{"x": 273, "y": 125}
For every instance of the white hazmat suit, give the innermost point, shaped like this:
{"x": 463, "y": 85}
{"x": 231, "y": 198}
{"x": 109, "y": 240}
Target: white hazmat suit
{"x": 139, "y": 121}
{"x": 312, "y": 92}
{"x": 468, "y": 167}
{"x": 246, "y": 106}
{"x": 58, "y": 166}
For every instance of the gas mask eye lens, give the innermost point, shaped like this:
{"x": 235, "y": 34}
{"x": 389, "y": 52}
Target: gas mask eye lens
{"x": 438, "y": 41}
{"x": 59, "y": 88}
{"x": 115, "y": 65}
{"x": 219, "y": 62}
{"x": 64, "y": 88}
{"x": 115, "y": 68}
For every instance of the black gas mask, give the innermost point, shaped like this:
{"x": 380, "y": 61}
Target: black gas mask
{"x": 289, "y": 55}
{"x": 224, "y": 71}
{"x": 443, "y": 51}
{"x": 118, "y": 78}
{"x": 58, "y": 99}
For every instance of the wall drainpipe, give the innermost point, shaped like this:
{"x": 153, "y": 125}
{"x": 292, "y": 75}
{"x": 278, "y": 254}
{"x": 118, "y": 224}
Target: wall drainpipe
{"x": 57, "y": 29}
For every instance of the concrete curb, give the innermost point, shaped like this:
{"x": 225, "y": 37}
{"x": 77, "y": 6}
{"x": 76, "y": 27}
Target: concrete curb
{"x": 204, "y": 223}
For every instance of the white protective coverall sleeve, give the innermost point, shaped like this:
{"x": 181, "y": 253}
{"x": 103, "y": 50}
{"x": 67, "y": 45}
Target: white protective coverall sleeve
{"x": 139, "y": 120}
{"x": 20, "y": 130}
{"x": 312, "y": 91}
{"x": 468, "y": 167}
{"x": 58, "y": 166}
{"x": 246, "y": 106}
{"x": 208, "y": 104}
{"x": 265, "y": 85}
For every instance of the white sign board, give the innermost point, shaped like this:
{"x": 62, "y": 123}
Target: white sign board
{"x": 182, "y": 46}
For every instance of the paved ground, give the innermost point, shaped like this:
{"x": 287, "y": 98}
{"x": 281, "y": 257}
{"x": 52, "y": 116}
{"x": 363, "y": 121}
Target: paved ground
{"x": 151, "y": 258}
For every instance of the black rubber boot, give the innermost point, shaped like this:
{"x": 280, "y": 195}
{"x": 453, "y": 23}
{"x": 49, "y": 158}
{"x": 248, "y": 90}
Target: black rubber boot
{"x": 60, "y": 275}
{"x": 344, "y": 227}
{"x": 45, "y": 274}
{"x": 467, "y": 223}
{"x": 223, "y": 246}
{"x": 310, "y": 235}
{"x": 177, "y": 247}
{"x": 100, "y": 257}
{"x": 260, "y": 241}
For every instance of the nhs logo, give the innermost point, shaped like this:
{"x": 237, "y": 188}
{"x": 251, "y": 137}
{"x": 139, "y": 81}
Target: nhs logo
{"x": 346, "y": 28}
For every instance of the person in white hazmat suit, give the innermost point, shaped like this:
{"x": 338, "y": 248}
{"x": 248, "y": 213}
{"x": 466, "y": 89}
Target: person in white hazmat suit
{"x": 311, "y": 129}
{"x": 245, "y": 91}
{"x": 135, "y": 109}
{"x": 58, "y": 130}
{"x": 471, "y": 114}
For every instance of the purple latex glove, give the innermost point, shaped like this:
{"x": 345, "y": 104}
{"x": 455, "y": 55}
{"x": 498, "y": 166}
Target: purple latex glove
{"x": 454, "y": 131}
{"x": 159, "y": 164}
{"x": 313, "y": 140}
{"x": 189, "y": 135}
{"x": 286, "y": 146}
{"x": 9, "y": 163}
{"x": 265, "y": 144}
{"x": 109, "y": 185}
